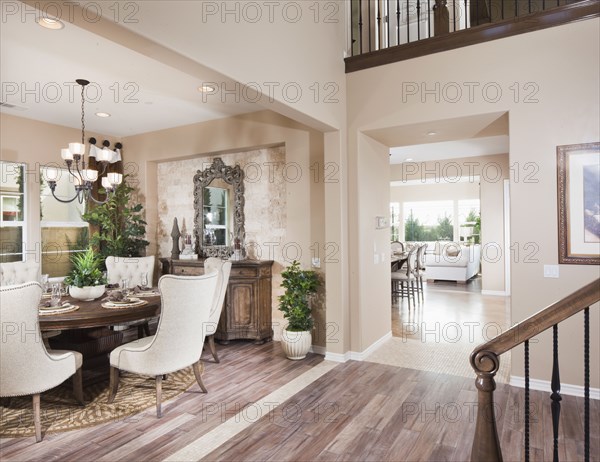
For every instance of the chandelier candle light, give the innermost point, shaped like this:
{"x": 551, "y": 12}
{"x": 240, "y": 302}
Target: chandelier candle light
{"x": 84, "y": 178}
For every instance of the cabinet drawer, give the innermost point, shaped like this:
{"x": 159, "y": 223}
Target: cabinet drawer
{"x": 188, "y": 270}
{"x": 244, "y": 272}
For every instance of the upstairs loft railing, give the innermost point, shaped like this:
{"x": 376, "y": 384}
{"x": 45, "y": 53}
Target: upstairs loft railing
{"x": 485, "y": 360}
{"x": 384, "y": 31}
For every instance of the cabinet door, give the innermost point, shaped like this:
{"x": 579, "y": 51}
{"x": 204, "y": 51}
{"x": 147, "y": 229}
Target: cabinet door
{"x": 241, "y": 306}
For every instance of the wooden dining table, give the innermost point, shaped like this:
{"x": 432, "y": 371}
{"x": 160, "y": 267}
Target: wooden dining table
{"x": 92, "y": 314}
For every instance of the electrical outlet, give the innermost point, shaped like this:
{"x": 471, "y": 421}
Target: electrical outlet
{"x": 316, "y": 262}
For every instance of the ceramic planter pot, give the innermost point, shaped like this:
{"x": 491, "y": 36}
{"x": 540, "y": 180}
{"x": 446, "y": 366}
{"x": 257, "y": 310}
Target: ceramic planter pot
{"x": 296, "y": 344}
{"x": 86, "y": 293}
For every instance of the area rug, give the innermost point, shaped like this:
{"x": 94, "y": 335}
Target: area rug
{"x": 60, "y": 412}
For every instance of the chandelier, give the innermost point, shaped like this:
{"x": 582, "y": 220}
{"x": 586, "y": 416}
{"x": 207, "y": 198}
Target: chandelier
{"x": 85, "y": 178}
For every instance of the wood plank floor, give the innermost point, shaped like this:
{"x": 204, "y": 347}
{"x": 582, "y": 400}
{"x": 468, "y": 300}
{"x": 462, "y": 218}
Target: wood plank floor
{"x": 358, "y": 411}
{"x": 371, "y": 412}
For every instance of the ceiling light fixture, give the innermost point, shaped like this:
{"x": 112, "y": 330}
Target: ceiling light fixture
{"x": 408, "y": 159}
{"x": 84, "y": 178}
{"x": 49, "y": 23}
{"x": 103, "y": 114}
{"x": 431, "y": 133}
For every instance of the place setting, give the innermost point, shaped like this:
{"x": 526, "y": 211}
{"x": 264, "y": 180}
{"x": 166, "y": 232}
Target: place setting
{"x": 54, "y": 305}
{"x": 125, "y": 297}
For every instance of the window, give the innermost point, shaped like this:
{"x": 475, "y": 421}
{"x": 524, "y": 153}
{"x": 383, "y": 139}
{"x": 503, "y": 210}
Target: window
{"x": 395, "y": 220}
{"x": 12, "y": 211}
{"x": 428, "y": 221}
{"x": 63, "y": 230}
{"x": 469, "y": 221}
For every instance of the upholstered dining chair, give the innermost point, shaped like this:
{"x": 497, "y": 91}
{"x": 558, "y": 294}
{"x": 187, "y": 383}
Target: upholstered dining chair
{"x": 397, "y": 246}
{"x": 131, "y": 268}
{"x": 19, "y": 272}
{"x": 179, "y": 339}
{"x": 403, "y": 280}
{"x": 213, "y": 264}
{"x": 26, "y": 367}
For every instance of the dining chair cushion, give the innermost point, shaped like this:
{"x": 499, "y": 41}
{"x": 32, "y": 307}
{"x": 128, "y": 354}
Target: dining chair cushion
{"x": 402, "y": 276}
{"x": 26, "y": 367}
{"x": 185, "y": 306}
{"x": 19, "y": 272}
{"x": 130, "y": 268}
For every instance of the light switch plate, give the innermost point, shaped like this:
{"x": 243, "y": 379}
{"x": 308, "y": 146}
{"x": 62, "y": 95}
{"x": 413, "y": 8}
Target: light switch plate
{"x": 551, "y": 271}
{"x": 376, "y": 259}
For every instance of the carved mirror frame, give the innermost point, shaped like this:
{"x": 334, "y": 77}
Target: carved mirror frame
{"x": 233, "y": 176}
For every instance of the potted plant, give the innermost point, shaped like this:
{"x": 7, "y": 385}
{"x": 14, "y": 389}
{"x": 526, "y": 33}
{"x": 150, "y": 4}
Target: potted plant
{"x": 86, "y": 281}
{"x": 295, "y": 305}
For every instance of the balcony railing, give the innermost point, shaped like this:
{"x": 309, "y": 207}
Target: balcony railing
{"x": 379, "y": 28}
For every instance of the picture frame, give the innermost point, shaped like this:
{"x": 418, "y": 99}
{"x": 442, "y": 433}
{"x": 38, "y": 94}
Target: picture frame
{"x": 578, "y": 180}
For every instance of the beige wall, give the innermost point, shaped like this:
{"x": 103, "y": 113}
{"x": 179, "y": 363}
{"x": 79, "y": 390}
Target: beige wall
{"x": 558, "y": 113}
{"x": 304, "y": 196}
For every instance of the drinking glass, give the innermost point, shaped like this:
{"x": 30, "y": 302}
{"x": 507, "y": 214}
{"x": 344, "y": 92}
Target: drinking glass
{"x": 56, "y": 295}
{"x": 144, "y": 280}
{"x": 125, "y": 287}
{"x": 45, "y": 282}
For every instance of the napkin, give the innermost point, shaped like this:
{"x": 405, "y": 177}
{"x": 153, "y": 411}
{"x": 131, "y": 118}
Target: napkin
{"x": 48, "y": 304}
{"x": 115, "y": 296}
{"x": 112, "y": 286}
{"x": 138, "y": 289}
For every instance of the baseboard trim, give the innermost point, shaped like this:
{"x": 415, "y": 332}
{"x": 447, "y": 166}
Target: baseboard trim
{"x": 357, "y": 355}
{"x": 544, "y": 385}
{"x": 499, "y": 293}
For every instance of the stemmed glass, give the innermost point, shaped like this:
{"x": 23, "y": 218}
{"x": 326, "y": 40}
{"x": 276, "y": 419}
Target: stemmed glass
{"x": 125, "y": 287}
{"x": 144, "y": 280}
{"x": 56, "y": 295}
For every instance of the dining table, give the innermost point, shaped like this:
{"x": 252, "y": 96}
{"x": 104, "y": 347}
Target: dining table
{"x": 398, "y": 259}
{"x": 92, "y": 314}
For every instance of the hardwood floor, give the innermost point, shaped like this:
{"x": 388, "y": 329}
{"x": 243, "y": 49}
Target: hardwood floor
{"x": 371, "y": 412}
{"x": 358, "y": 411}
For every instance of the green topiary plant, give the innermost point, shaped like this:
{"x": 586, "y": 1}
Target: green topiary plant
{"x": 294, "y": 303}
{"x": 86, "y": 270}
{"x": 121, "y": 227}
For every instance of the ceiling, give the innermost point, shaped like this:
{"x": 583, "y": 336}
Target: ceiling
{"x": 38, "y": 68}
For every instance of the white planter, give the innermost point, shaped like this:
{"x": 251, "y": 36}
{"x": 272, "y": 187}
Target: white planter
{"x": 86, "y": 293}
{"x": 296, "y": 344}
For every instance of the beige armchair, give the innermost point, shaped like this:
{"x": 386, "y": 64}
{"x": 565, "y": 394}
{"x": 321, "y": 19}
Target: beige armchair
{"x": 26, "y": 367}
{"x": 213, "y": 264}
{"x": 19, "y": 272}
{"x": 131, "y": 268}
{"x": 179, "y": 339}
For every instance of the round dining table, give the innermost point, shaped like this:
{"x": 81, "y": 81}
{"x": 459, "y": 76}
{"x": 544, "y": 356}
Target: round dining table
{"x": 93, "y": 314}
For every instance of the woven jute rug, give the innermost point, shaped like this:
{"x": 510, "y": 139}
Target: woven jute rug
{"x": 60, "y": 412}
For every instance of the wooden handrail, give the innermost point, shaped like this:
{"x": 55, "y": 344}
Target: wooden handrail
{"x": 485, "y": 362}
{"x": 542, "y": 320}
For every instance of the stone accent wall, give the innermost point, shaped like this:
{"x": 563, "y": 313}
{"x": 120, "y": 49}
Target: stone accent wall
{"x": 265, "y": 206}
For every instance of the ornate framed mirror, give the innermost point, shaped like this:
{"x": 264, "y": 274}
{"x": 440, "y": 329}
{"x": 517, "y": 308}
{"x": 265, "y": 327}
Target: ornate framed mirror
{"x": 218, "y": 209}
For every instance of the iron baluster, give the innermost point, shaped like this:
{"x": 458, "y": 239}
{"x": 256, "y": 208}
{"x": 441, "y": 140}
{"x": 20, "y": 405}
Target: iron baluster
{"x": 586, "y": 383}
{"x": 527, "y": 416}
{"x": 555, "y": 386}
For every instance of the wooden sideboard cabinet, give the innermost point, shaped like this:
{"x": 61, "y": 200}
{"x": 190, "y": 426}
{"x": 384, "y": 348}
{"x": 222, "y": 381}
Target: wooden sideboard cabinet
{"x": 247, "y": 310}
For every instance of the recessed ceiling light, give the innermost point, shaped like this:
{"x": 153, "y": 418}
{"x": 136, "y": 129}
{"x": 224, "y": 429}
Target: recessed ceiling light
{"x": 431, "y": 133}
{"x": 102, "y": 114}
{"x": 50, "y": 23}
{"x": 205, "y": 88}
{"x": 408, "y": 159}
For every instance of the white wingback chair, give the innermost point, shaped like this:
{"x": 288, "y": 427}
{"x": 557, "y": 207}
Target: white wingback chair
{"x": 19, "y": 272}
{"x": 186, "y": 304}
{"x": 213, "y": 264}
{"x": 131, "y": 268}
{"x": 26, "y": 367}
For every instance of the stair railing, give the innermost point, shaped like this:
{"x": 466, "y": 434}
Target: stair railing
{"x": 485, "y": 360}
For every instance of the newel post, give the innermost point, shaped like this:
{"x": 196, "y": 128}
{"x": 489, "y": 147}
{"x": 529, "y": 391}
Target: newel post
{"x": 486, "y": 445}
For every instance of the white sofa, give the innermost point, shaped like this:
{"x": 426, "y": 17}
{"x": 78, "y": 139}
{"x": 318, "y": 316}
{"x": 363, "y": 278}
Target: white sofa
{"x": 451, "y": 261}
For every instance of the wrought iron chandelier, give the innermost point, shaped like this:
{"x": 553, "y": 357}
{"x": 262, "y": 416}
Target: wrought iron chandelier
{"x": 84, "y": 178}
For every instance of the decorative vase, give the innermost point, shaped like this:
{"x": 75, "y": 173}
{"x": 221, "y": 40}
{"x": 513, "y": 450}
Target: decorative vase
{"x": 86, "y": 293}
{"x": 296, "y": 344}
